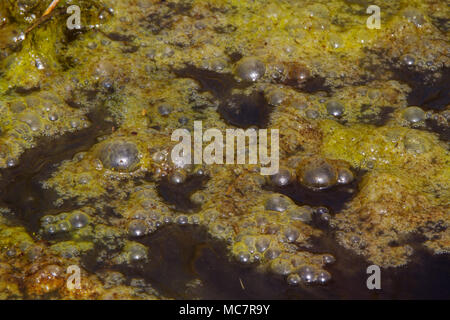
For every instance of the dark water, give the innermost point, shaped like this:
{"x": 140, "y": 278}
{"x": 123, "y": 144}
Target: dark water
{"x": 178, "y": 195}
{"x": 219, "y": 84}
{"x": 244, "y": 111}
{"x": 427, "y": 92}
{"x": 181, "y": 254}
{"x": 20, "y": 187}
{"x": 239, "y": 110}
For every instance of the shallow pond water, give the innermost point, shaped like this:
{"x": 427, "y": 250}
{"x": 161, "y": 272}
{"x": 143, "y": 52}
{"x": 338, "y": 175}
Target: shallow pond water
{"x": 88, "y": 177}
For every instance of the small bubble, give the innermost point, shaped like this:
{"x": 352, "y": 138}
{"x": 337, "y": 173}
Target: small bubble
{"x": 282, "y": 178}
{"x": 345, "y": 176}
{"x": 165, "y": 109}
{"x": 318, "y": 174}
{"x": 64, "y": 226}
{"x": 244, "y": 257}
{"x": 119, "y": 155}
{"x": 250, "y": 69}
{"x": 303, "y": 214}
{"x": 293, "y": 279}
{"x": 53, "y": 117}
{"x": 307, "y": 274}
{"x": 11, "y": 253}
{"x": 177, "y": 177}
{"x": 183, "y": 120}
{"x": 277, "y": 203}
{"x": 413, "y": 114}
{"x": 79, "y": 220}
{"x": 137, "y": 228}
{"x": 50, "y": 229}
{"x": 328, "y": 259}
{"x": 34, "y": 253}
{"x": 408, "y": 60}
{"x": 335, "y": 108}
{"x": 198, "y": 198}
{"x": 323, "y": 277}
{"x": 275, "y": 97}
{"x": 281, "y": 266}
{"x": 291, "y": 234}
{"x": 262, "y": 244}
{"x": 137, "y": 252}
{"x": 182, "y": 220}
{"x": 312, "y": 114}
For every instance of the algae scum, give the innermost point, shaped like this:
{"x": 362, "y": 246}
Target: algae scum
{"x": 87, "y": 179}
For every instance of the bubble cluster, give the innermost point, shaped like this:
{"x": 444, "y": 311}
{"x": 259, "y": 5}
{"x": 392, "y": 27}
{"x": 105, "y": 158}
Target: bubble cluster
{"x": 415, "y": 144}
{"x": 414, "y": 16}
{"x": 319, "y": 173}
{"x": 32, "y": 120}
{"x": 64, "y": 222}
{"x": 45, "y": 280}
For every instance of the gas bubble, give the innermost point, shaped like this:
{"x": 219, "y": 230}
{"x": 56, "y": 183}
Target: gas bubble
{"x": 137, "y": 228}
{"x": 282, "y": 178}
{"x": 335, "y": 108}
{"x": 79, "y": 220}
{"x": 277, "y": 203}
{"x": 119, "y": 155}
{"x": 250, "y": 69}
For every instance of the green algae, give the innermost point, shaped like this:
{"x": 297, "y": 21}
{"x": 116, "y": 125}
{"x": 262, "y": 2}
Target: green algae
{"x": 125, "y": 63}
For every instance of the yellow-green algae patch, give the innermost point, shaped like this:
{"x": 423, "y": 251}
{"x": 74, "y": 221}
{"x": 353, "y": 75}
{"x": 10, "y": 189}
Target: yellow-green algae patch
{"x": 123, "y": 65}
{"x": 383, "y": 220}
{"x": 419, "y": 154}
